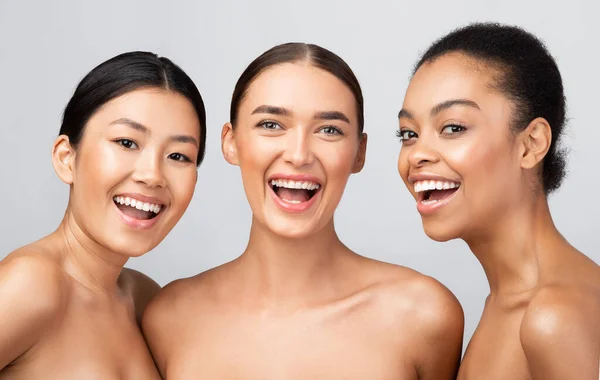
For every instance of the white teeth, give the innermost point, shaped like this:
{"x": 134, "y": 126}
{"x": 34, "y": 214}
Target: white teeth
{"x": 138, "y": 204}
{"x": 306, "y": 185}
{"x": 427, "y": 185}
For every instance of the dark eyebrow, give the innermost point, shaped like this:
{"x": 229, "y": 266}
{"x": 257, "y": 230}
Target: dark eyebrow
{"x": 451, "y": 103}
{"x": 272, "y": 110}
{"x": 406, "y": 114}
{"x": 331, "y": 115}
{"x": 139, "y": 127}
{"x": 130, "y": 123}
{"x": 184, "y": 139}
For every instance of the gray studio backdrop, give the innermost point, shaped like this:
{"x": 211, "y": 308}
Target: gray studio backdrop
{"x": 47, "y": 46}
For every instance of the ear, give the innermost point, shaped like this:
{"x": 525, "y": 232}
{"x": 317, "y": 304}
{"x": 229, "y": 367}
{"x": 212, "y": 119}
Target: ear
{"x": 228, "y": 146}
{"x": 535, "y": 142}
{"x": 362, "y": 153}
{"x": 63, "y": 159}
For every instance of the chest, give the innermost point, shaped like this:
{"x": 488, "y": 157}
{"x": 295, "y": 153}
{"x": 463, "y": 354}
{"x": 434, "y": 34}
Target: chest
{"x": 91, "y": 343}
{"x": 300, "y": 347}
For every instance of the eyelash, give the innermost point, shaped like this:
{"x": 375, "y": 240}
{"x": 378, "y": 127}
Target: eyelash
{"x": 336, "y": 130}
{"x": 401, "y": 132}
{"x": 461, "y": 128}
{"x": 263, "y": 124}
{"x": 183, "y": 157}
{"x": 266, "y": 123}
{"x": 174, "y": 156}
{"x": 122, "y": 142}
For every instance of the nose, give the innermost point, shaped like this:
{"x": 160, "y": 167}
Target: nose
{"x": 422, "y": 153}
{"x": 298, "y": 151}
{"x": 148, "y": 170}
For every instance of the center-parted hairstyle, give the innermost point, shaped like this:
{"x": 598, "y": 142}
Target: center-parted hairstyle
{"x": 528, "y": 76}
{"x": 293, "y": 52}
{"x": 122, "y": 74}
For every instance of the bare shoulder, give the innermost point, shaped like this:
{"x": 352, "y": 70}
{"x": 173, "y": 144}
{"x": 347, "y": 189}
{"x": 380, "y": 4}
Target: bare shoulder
{"x": 33, "y": 295}
{"x": 558, "y": 311}
{"x": 559, "y": 332}
{"x": 35, "y": 280}
{"x": 141, "y": 288}
{"x": 419, "y": 297}
{"x": 177, "y": 301}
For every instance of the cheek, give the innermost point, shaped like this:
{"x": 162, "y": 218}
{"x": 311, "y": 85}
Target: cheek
{"x": 337, "y": 161}
{"x": 256, "y": 155}
{"x": 101, "y": 167}
{"x": 182, "y": 184}
{"x": 403, "y": 163}
{"x": 485, "y": 169}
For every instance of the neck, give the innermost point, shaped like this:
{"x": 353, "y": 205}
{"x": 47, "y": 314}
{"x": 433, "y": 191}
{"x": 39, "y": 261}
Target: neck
{"x": 291, "y": 271}
{"x": 91, "y": 264}
{"x": 513, "y": 250}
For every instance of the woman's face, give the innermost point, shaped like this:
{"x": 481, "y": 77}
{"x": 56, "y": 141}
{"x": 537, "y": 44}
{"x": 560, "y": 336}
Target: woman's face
{"x": 296, "y": 141}
{"x": 134, "y": 171}
{"x": 458, "y": 156}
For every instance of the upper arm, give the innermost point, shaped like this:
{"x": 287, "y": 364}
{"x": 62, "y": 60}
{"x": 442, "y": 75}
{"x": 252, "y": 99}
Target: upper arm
{"x": 30, "y": 298}
{"x": 440, "y": 323}
{"x": 159, "y": 326}
{"x": 561, "y": 338}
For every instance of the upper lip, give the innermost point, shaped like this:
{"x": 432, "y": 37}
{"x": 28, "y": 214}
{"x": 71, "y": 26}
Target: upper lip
{"x": 428, "y": 177}
{"x": 144, "y": 198}
{"x": 295, "y": 177}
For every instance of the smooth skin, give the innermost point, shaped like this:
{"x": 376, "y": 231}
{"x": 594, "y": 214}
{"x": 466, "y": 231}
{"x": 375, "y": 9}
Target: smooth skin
{"x": 298, "y": 304}
{"x": 540, "y": 321}
{"x": 68, "y": 308}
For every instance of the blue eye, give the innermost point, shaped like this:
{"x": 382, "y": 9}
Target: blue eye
{"x": 406, "y": 134}
{"x": 331, "y": 131}
{"x": 126, "y": 143}
{"x": 179, "y": 157}
{"x": 269, "y": 125}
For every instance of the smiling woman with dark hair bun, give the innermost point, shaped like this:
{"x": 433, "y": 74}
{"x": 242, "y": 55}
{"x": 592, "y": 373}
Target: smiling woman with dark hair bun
{"x": 132, "y": 136}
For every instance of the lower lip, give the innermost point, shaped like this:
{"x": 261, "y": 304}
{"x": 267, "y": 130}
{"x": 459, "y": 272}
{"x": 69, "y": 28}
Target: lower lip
{"x": 428, "y": 209}
{"x": 293, "y": 207}
{"x": 138, "y": 224}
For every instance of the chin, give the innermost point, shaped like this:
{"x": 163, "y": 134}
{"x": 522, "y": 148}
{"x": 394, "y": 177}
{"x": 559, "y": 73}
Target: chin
{"x": 131, "y": 248}
{"x": 292, "y": 229}
{"x": 440, "y": 232}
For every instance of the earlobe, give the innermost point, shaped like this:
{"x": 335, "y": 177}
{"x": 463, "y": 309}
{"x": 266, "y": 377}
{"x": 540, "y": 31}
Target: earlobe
{"x": 537, "y": 138}
{"x": 362, "y": 153}
{"x": 63, "y": 159}
{"x": 228, "y": 144}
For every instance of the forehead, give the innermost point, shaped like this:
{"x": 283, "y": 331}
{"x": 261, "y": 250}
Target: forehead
{"x": 157, "y": 109}
{"x": 451, "y": 76}
{"x": 300, "y": 87}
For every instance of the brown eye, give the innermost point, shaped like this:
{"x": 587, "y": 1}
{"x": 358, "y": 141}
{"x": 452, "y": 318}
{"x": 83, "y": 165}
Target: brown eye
{"x": 179, "y": 157}
{"x": 453, "y": 129}
{"x": 126, "y": 143}
{"x": 406, "y": 134}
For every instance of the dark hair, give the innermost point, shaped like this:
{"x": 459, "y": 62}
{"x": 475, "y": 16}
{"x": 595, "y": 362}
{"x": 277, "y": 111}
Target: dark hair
{"x": 294, "y": 52}
{"x": 124, "y": 73}
{"x": 529, "y": 77}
